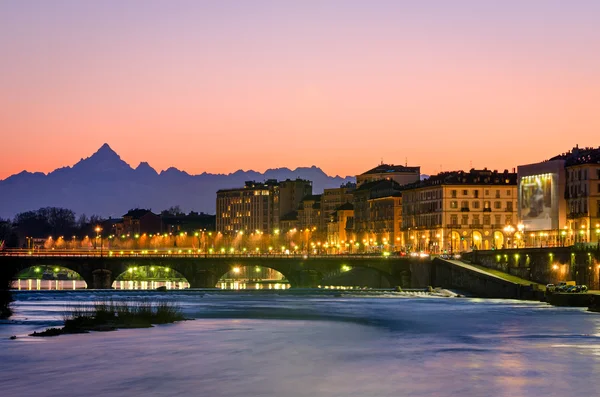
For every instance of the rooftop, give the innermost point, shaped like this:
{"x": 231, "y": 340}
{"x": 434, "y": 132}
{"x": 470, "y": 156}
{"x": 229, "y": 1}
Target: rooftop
{"x": 345, "y": 207}
{"x": 391, "y": 168}
{"x": 473, "y": 177}
{"x": 577, "y": 155}
{"x": 137, "y": 213}
{"x": 380, "y": 183}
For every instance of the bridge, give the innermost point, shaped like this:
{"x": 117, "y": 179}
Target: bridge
{"x": 100, "y": 268}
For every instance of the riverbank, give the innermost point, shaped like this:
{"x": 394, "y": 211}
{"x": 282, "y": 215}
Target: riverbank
{"x": 110, "y": 315}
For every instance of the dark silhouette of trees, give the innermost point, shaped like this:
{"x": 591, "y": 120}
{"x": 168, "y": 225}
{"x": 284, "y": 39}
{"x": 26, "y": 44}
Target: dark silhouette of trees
{"x": 49, "y": 221}
{"x": 173, "y": 211}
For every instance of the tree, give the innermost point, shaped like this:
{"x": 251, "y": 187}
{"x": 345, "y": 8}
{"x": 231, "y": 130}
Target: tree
{"x": 5, "y": 231}
{"x": 82, "y": 222}
{"x": 173, "y": 211}
{"x": 46, "y": 222}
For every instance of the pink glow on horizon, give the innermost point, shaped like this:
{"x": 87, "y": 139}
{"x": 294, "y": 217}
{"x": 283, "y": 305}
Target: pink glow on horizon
{"x": 213, "y": 87}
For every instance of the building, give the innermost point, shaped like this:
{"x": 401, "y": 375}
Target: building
{"x": 458, "y": 211}
{"x": 378, "y": 213}
{"x": 338, "y": 233}
{"x": 246, "y": 209}
{"x": 582, "y": 195}
{"x": 385, "y": 221}
{"x": 542, "y": 208}
{"x": 258, "y": 206}
{"x": 189, "y": 223}
{"x": 289, "y": 221}
{"x": 332, "y": 199}
{"x": 139, "y": 221}
{"x": 287, "y": 196}
{"x": 559, "y": 199}
{"x": 310, "y": 216}
{"x": 403, "y": 175}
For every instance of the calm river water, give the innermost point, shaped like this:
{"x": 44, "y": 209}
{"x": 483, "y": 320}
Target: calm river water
{"x": 301, "y": 343}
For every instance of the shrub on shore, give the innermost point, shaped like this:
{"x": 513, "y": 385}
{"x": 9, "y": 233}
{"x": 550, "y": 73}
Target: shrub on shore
{"x": 108, "y": 315}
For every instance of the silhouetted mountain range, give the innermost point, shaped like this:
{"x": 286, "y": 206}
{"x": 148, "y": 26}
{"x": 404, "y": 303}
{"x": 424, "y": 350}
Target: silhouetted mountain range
{"x": 106, "y": 185}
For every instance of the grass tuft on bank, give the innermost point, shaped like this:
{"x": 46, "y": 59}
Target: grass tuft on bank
{"x": 108, "y": 315}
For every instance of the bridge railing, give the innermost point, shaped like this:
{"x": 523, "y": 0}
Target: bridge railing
{"x": 177, "y": 254}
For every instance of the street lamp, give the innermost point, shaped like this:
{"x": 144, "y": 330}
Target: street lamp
{"x": 98, "y": 229}
{"x": 509, "y": 230}
{"x": 521, "y": 229}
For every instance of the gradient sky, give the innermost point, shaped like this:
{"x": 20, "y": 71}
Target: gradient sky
{"x": 218, "y": 86}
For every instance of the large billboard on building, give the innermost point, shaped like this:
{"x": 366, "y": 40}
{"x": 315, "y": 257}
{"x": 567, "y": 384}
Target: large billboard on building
{"x": 537, "y": 201}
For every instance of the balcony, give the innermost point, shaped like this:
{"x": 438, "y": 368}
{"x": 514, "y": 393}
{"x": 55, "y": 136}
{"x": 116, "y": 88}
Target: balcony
{"x": 476, "y": 226}
{"x": 453, "y": 226}
{"x": 487, "y": 210}
{"x": 464, "y": 209}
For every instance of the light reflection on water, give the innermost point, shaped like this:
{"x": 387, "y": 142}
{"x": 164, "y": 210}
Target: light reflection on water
{"x": 61, "y": 285}
{"x": 284, "y": 344}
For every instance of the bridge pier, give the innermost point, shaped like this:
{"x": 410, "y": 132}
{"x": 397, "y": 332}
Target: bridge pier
{"x": 101, "y": 279}
{"x": 202, "y": 279}
{"x": 305, "y": 279}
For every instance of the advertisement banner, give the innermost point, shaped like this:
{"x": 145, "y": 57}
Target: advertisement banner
{"x": 536, "y": 202}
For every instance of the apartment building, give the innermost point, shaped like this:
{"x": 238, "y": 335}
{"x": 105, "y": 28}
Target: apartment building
{"x": 457, "y": 211}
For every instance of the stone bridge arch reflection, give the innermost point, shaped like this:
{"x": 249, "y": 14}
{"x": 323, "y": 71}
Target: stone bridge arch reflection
{"x": 47, "y": 277}
{"x": 150, "y": 277}
{"x": 253, "y": 277}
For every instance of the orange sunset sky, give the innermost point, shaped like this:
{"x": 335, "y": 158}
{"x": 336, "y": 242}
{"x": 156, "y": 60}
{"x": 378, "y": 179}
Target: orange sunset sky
{"x": 225, "y": 85}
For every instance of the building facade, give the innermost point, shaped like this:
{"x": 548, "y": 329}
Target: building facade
{"x": 459, "y": 211}
{"x": 378, "y": 214}
{"x": 258, "y": 206}
{"x": 582, "y": 196}
{"x": 333, "y": 198}
{"x": 339, "y": 235}
{"x": 245, "y": 209}
{"x": 138, "y": 221}
{"x": 287, "y": 196}
{"x": 559, "y": 199}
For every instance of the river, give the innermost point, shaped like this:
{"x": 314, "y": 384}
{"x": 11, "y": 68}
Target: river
{"x": 306, "y": 343}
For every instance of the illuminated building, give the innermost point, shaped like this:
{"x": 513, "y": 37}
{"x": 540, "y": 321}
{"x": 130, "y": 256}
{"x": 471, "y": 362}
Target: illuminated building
{"x": 559, "y": 199}
{"x": 310, "y": 216}
{"x": 583, "y": 194}
{"x": 258, "y": 206}
{"x": 287, "y": 196}
{"x": 377, "y": 213}
{"x": 331, "y": 199}
{"x": 138, "y": 221}
{"x": 458, "y": 211}
{"x": 339, "y": 228}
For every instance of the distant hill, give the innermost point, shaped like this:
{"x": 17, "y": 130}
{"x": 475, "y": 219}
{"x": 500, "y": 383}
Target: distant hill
{"x": 106, "y": 185}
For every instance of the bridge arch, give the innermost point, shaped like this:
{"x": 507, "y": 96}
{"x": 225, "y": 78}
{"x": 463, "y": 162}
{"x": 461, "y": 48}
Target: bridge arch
{"x": 253, "y": 277}
{"x": 47, "y": 277}
{"x": 149, "y": 276}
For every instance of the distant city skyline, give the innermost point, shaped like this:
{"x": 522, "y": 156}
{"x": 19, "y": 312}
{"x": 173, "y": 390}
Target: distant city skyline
{"x": 221, "y": 86}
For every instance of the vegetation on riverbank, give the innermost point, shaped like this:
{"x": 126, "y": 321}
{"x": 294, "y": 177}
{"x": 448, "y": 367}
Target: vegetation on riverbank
{"x": 109, "y": 315}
